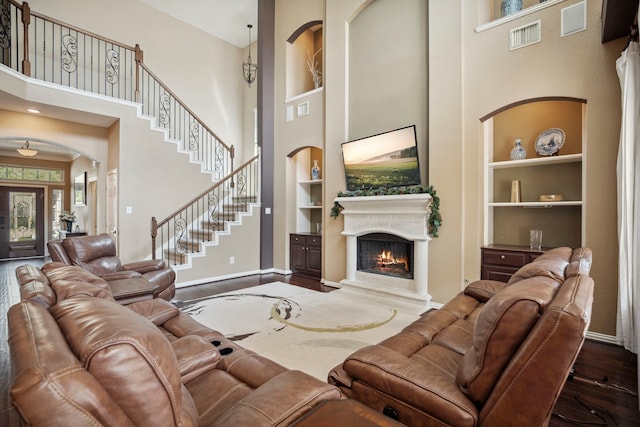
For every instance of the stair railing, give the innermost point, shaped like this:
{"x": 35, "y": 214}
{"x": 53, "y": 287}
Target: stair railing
{"x": 181, "y": 232}
{"x": 69, "y": 56}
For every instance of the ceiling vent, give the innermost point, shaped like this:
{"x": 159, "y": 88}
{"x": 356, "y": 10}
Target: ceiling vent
{"x": 525, "y": 35}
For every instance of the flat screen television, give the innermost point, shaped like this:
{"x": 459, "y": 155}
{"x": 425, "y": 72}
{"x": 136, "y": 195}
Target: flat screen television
{"x": 388, "y": 159}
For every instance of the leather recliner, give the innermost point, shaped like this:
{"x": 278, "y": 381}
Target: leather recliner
{"x": 97, "y": 254}
{"x": 497, "y": 354}
{"x": 80, "y": 358}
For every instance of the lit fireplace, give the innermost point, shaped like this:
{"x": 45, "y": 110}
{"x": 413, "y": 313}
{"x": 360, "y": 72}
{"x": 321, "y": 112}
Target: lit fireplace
{"x": 387, "y": 254}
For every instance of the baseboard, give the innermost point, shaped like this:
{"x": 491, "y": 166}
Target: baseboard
{"x": 331, "y": 284}
{"x": 216, "y": 278}
{"x": 596, "y": 336}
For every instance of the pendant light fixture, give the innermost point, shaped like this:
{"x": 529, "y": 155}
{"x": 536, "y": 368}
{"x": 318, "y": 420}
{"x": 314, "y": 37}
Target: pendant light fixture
{"x": 26, "y": 151}
{"x": 249, "y": 69}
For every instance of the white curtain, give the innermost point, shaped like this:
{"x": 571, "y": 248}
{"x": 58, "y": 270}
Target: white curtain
{"x": 628, "y": 173}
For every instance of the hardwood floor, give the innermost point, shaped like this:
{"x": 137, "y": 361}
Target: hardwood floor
{"x": 602, "y": 390}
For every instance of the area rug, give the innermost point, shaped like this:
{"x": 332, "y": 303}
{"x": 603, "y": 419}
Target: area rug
{"x": 299, "y": 328}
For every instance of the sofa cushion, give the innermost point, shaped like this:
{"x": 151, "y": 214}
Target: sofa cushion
{"x": 483, "y": 290}
{"x": 580, "y": 262}
{"x": 502, "y": 325}
{"x": 552, "y": 264}
{"x": 38, "y": 292}
{"x": 50, "y": 386}
{"x": 65, "y": 289}
{"x": 96, "y": 254}
{"x": 129, "y": 356}
{"x": 28, "y": 273}
{"x": 56, "y": 272}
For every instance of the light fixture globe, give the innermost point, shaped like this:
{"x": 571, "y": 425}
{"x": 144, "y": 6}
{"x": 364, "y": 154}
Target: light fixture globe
{"x": 249, "y": 69}
{"x": 26, "y": 151}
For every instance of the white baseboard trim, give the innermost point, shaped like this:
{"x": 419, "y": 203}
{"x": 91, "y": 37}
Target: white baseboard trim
{"x": 596, "y": 336}
{"x": 331, "y": 284}
{"x": 216, "y": 278}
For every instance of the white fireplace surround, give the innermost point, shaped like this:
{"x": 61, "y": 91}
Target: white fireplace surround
{"x": 406, "y": 216}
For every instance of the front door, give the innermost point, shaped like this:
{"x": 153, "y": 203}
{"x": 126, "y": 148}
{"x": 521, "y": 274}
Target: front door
{"x": 21, "y": 222}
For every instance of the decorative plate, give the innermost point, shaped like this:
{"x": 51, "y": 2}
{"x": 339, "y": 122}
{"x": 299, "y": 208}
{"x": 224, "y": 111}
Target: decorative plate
{"x": 549, "y": 142}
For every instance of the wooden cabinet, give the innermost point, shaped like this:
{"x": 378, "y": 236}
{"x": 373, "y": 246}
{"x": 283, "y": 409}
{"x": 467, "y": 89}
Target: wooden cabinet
{"x": 499, "y": 262}
{"x": 305, "y": 254}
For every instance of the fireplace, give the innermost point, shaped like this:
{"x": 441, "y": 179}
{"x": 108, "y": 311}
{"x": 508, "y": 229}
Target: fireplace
{"x": 387, "y": 249}
{"x": 386, "y": 254}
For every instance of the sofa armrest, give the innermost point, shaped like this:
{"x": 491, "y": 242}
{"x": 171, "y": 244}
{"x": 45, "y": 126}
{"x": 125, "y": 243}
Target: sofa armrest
{"x": 156, "y": 310}
{"x": 484, "y": 290}
{"x": 121, "y": 275}
{"x": 145, "y": 266}
{"x": 195, "y": 356}
{"x": 425, "y": 386}
{"x": 280, "y": 401}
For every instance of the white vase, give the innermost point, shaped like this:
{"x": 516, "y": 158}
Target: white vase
{"x": 518, "y": 152}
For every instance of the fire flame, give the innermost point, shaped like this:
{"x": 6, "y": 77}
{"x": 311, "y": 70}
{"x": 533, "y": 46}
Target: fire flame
{"x": 386, "y": 259}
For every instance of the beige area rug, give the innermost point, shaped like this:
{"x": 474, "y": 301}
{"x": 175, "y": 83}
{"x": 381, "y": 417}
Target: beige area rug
{"x": 299, "y": 328}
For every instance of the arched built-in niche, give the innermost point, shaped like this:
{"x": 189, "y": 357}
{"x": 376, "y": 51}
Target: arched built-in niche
{"x": 303, "y": 55}
{"x": 508, "y": 220}
{"x": 308, "y": 191}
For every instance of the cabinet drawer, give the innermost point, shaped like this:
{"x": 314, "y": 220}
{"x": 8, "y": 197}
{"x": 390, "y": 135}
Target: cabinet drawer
{"x": 313, "y": 241}
{"x": 513, "y": 259}
{"x": 297, "y": 239}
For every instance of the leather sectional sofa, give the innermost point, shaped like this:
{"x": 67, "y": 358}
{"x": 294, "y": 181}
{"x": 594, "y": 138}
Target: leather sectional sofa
{"x": 80, "y": 358}
{"x": 497, "y": 354}
{"x": 97, "y": 254}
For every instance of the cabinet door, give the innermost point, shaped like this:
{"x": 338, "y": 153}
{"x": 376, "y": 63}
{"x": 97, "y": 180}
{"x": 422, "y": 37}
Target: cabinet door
{"x": 297, "y": 253}
{"x": 314, "y": 256}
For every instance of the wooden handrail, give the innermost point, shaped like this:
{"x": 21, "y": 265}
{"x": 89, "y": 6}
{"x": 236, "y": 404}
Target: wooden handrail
{"x": 213, "y": 187}
{"x": 80, "y": 30}
{"x": 166, "y": 88}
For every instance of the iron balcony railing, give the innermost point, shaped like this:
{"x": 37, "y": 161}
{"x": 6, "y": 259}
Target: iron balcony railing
{"x": 48, "y": 49}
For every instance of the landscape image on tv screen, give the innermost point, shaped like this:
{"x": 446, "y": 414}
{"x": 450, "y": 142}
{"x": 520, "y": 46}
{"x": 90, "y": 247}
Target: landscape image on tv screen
{"x": 388, "y": 159}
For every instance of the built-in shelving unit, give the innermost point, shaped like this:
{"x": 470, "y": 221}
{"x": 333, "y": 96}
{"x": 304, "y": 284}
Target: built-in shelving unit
{"x": 507, "y": 222}
{"x": 308, "y": 192}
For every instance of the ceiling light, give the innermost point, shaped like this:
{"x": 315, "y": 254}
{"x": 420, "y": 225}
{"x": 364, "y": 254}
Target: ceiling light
{"x": 26, "y": 151}
{"x": 248, "y": 68}
{"x": 33, "y": 110}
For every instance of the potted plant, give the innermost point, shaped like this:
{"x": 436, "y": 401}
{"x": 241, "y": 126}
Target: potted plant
{"x": 68, "y": 219}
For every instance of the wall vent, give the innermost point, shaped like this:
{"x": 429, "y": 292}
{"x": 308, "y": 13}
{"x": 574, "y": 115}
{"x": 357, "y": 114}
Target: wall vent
{"x": 525, "y": 35}
{"x": 573, "y": 19}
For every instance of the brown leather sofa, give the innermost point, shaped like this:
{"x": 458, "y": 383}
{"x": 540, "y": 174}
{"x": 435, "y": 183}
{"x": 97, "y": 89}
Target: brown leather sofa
{"x": 97, "y": 254}
{"x": 80, "y": 358}
{"x": 497, "y": 354}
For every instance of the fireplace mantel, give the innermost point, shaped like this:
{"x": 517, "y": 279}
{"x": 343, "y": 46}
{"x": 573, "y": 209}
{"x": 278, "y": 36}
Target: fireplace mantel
{"x": 406, "y": 216}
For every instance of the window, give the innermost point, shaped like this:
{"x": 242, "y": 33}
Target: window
{"x": 28, "y": 173}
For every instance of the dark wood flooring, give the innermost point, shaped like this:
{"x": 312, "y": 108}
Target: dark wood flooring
{"x": 602, "y": 390}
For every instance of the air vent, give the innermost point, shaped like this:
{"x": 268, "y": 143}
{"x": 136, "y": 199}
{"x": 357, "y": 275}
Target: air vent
{"x": 573, "y": 19}
{"x": 524, "y": 36}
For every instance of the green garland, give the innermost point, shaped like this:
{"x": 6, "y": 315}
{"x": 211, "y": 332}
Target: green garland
{"x": 435, "y": 219}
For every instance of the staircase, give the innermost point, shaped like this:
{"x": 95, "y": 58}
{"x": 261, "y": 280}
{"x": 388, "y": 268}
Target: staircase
{"x": 69, "y": 56}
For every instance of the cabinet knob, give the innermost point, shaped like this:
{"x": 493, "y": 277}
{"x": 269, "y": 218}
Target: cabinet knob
{"x": 502, "y": 257}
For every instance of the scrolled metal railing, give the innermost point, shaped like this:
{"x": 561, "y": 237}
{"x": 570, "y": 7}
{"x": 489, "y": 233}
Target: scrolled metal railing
{"x": 181, "y": 232}
{"x": 66, "y": 55}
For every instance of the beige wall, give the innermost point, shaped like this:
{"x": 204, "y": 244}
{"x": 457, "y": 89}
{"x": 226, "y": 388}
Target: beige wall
{"x": 581, "y": 67}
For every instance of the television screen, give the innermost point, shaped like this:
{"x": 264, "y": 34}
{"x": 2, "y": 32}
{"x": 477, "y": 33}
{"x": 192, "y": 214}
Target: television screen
{"x": 388, "y": 159}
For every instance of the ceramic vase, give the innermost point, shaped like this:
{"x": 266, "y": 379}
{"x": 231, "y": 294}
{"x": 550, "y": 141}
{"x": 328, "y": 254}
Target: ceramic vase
{"x": 507, "y": 7}
{"x": 518, "y": 152}
{"x": 315, "y": 171}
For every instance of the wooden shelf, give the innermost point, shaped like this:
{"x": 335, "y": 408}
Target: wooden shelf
{"x": 537, "y": 205}
{"x": 537, "y": 161}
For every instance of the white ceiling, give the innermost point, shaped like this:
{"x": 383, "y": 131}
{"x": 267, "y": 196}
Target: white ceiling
{"x": 225, "y": 19}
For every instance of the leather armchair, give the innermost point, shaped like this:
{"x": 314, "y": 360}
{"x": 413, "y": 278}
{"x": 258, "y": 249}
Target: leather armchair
{"x": 97, "y": 255}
